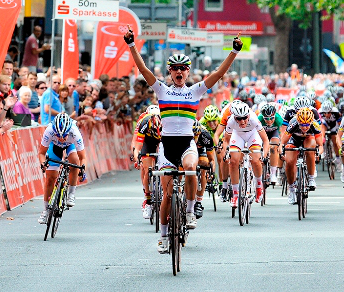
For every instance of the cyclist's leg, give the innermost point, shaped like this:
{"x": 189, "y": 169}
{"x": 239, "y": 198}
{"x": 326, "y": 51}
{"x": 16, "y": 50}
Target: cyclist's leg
{"x": 189, "y": 162}
{"x": 225, "y": 170}
{"x": 55, "y": 153}
{"x": 236, "y": 144}
{"x": 146, "y": 205}
{"x": 290, "y": 168}
{"x": 310, "y": 159}
{"x": 336, "y": 150}
{"x": 165, "y": 207}
{"x": 198, "y": 209}
{"x": 274, "y": 157}
{"x": 254, "y": 143}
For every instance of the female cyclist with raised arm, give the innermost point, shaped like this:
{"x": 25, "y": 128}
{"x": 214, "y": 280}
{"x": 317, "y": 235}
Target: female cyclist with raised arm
{"x": 178, "y": 105}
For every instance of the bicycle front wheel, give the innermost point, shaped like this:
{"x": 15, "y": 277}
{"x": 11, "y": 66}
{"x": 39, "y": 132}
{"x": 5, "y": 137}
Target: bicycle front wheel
{"x": 52, "y": 208}
{"x": 331, "y": 168}
{"x": 50, "y": 216}
{"x": 242, "y": 200}
{"x": 158, "y": 197}
{"x": 299, "y": 191}
{"x": 175, "y": 226}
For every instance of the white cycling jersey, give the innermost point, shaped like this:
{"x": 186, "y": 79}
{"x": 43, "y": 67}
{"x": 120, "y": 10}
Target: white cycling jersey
{"x": 253, "y": 123}
{"x": 74, "y": 137}
{"x": 178, "y": 107}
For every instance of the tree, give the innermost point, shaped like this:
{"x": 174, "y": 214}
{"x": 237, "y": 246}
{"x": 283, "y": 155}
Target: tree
{"x": 282, "y": 13}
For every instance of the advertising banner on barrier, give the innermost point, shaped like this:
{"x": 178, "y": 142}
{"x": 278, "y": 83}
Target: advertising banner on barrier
{"x": 20, "y": 165}
{"x": 10, "y": 170}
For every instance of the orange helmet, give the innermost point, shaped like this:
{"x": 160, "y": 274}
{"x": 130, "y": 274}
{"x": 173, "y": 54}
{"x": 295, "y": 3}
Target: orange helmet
{"x": 305, "y": 116}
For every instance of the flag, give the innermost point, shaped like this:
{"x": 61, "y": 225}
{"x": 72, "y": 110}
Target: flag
{"x": 336, "y": 60}
{"x": 9, "y": 11}
{"x": 109, "y": 42}
{"x": 70, "y": 49}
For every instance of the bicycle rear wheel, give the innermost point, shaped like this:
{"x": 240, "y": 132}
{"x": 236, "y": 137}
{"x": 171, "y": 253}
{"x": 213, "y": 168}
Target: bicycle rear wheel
{"x": 331, "y": 168}
{"x": 157, "y": 204}
{"x": 175, "y": 226}
{"x": 242, "y": 200}
{"x": 299, "y": 191}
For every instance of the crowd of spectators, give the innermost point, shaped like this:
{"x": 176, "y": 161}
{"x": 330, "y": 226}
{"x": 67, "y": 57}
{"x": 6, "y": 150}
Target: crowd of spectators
{"x": 108, "y": 100}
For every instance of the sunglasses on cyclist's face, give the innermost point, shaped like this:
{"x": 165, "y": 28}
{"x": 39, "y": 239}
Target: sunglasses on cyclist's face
{"x": 304, "y": 125}
{"x": 241, "y": 118}
{"x": 181, "y": 68}
{"x": 268, "y": 118}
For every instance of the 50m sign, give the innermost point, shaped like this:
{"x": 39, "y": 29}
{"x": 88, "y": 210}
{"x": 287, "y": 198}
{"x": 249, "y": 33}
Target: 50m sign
{"x": 95, "y": 10}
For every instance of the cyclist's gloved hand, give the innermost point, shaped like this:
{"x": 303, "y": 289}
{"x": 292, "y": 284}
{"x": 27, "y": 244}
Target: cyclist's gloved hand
{"x": 44, "y": 166}
{"x": 82, "y": 175}
{"x": 129, "y": 36}
{"x": 237, "y": 45}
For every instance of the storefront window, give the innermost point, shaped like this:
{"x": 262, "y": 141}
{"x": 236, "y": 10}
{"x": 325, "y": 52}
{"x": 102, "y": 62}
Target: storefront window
{"x": 213, "y": 5}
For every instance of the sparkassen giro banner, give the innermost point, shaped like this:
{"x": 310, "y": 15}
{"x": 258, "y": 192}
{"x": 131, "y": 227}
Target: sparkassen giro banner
{"x": 9, "y": 11}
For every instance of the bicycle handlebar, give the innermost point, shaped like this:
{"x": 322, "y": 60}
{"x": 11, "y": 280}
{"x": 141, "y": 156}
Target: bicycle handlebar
{"x": 64, "y": 163}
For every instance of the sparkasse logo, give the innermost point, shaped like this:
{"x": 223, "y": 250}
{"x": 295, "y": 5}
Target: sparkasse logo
{"x": 62, "y": 8}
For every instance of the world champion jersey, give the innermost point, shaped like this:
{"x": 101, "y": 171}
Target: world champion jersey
{"x": 178, "y": 107}
{"x": 74, "y": 137}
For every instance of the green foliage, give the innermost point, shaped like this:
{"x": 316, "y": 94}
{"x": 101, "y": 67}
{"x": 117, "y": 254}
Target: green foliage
{"x": 302, "y": 10}
{"x": 188, "y": 3}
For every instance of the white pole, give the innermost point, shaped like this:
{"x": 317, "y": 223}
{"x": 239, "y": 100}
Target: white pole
{"x": 94, "y": 45}
{"x": 63, "y": 46}
{"x": 180, "y": 13}
{"x": 52, "y": 58}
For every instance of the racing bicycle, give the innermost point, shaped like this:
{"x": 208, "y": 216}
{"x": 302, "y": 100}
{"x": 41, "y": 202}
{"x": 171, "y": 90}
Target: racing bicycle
{"x": 177, "y": 231}
{"x": 301, "y": 179}
{"x": 57, "y": 202}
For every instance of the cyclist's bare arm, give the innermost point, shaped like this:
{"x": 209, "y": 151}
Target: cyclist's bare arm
{"x": 147, "y": 74}
{"x": 138, "y": 147}
{"x": 220, "y": 128}
{"x": 82, "y": 157}
{"x": 339, "y": 138}
{"x": 211, "y": 158}
{"x": 41, "y": 153}
{"x": 319, "y": 141}
{"x": 266, "y": 143}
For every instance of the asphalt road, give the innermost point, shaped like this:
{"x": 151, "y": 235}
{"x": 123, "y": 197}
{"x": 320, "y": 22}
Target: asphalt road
{"x": 104, "y": 244}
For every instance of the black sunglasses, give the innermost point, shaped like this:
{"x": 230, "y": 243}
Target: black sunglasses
{"x": 181, "y": 68}
{"x": 241, "y": 118}
{"x": 42, "y": 87}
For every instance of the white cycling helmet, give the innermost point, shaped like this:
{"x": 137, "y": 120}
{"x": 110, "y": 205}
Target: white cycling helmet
{"x": 311, "y": 95}
{"x": 153, "y": 110}
{"x": 270, "y": 97}
{"x": 326, "y": 106}
{"x": 301, "y": 101}
{"x": 240, "y": 109}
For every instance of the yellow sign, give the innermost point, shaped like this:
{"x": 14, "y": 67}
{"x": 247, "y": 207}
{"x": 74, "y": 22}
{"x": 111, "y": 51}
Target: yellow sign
{"x": 228, "y": 43}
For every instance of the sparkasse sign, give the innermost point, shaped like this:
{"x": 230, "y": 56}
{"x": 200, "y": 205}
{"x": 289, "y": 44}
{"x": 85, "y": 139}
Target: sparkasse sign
{"x": 153, "y": 31}
{"x": 96, "y": 10}
{"x": 187, "y": 36}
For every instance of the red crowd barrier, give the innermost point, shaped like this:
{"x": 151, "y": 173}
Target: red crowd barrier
{"x": 20, "y": 167}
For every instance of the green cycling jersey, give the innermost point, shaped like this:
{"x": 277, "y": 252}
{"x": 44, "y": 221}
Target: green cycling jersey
{"x": 275, "y": 126}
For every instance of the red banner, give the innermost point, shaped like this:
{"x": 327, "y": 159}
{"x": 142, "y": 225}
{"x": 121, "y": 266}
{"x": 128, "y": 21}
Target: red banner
{"x": 9, "y": 11}
{"x": 70, "y": 48}
{"x": 126, "y": 62}
{"x": 110, "y": 44}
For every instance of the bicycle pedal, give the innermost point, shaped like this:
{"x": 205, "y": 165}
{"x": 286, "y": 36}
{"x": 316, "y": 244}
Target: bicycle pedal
{"x": 311, "y": 189}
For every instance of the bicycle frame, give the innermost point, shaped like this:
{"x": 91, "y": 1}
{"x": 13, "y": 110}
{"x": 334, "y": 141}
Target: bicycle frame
{"x": 246, "y": 186}
{"x": 57, "y": 200}
{"x": 177, "y": 220}
{"x": 302, "y": 179}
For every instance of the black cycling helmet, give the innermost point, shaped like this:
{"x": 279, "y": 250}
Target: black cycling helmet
{"x": 268, "y": 110}
{"x": 196, "y": 128}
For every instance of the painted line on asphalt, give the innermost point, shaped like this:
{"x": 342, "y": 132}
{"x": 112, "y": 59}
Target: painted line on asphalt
{"x": 272, "y": 274}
